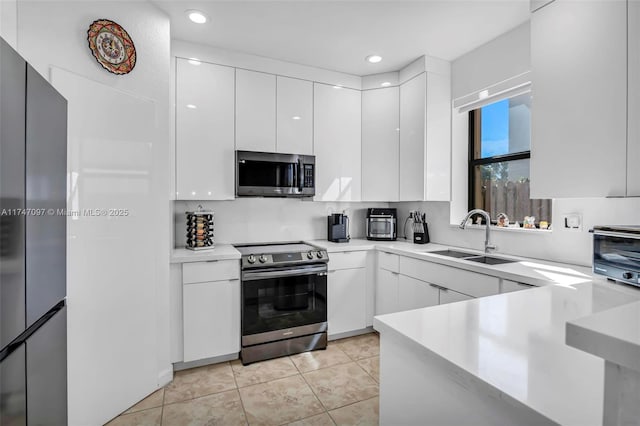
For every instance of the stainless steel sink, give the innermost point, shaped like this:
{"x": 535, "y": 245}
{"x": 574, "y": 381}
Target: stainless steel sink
{"x": 473, "y": 257}
{"x": 453, "y": 253}
{"x": 489, "y": 260}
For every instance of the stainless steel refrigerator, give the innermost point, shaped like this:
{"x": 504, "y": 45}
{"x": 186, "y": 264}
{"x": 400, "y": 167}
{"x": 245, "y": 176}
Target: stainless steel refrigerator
{"x": 33, "y": 188}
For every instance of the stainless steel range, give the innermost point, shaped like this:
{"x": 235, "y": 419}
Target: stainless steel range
{"x": 284, "y": 300}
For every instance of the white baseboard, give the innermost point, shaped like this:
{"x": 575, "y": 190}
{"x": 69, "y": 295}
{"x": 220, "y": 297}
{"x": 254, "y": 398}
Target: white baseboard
{"x": 165, "y": 377}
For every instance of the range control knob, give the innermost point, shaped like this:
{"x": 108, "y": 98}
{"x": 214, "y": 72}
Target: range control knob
{"x": 319, "y": 254}
{"x": 627, "y": 275}
{"x": 263, "y": 258}
{"x": 251, "y": 259}
{"x": 310, "y": 255}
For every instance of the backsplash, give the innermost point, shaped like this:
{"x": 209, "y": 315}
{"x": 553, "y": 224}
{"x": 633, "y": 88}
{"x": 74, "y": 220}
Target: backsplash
{"x": 560, "y": 245}
{"x": 257, "y": 220}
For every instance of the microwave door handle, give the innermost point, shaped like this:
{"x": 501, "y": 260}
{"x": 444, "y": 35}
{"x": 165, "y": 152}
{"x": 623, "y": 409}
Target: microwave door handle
{"x": 300, "y": 175}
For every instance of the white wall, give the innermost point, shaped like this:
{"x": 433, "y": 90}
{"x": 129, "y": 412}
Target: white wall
{"x": 118, "y": 294}
{"x": 271, "y": 219}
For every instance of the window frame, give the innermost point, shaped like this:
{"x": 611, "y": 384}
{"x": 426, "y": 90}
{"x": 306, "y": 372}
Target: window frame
{"x": 475, "y": 116}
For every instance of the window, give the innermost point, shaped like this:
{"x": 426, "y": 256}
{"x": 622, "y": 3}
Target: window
{"x": 499, "y": 152}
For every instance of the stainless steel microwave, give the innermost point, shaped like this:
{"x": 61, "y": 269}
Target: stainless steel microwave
{"x": 616, "y": 253}
{"x": 268, "y": 174}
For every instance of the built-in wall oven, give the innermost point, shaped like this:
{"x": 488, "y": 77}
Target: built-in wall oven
{"x": 616, "y": 253}
{"x": 284, "y": 300}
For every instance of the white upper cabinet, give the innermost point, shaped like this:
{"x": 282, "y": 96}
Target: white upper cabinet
{"x": 255, "y": 111}
{"x": 425, "y": 138}
{"x": 380, "y": 144}
{"x": 413, "y": 113}
{"x": 204, "y": 130}
{"x": 633, "y": 147}
{"x": 337, "y": 143}
{"x": 294, "y": 116}
{"x": 579, "y": 110}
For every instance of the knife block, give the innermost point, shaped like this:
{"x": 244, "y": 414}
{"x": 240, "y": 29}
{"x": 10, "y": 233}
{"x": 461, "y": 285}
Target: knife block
{"x": 420, "y": 233}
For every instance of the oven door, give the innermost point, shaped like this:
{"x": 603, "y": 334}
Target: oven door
{"x": 617, "y": 256}
{"x": 280, "y": 303}
{"x": 275, "y": 175}
{"x": 381, "y": 228}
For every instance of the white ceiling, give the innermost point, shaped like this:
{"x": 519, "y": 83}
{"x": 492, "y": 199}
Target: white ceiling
{"x": 337, "y": 35}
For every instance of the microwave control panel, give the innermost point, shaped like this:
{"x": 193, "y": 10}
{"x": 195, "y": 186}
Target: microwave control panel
{"x": 308, "y": 175}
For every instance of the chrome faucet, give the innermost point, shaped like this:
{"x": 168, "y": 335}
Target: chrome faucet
{"x": 487, "y": 244}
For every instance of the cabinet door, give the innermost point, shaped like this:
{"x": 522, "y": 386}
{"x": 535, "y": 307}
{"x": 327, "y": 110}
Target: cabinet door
{"x": 337, "y": 143}
{"x": 255, "y": 111}
{"x": 633, "y": 142}
{"x": 211, "y": 319}
{"x": 450, "y": 296}
{"x": 380, "y": 144}
{"x": 413, "y": 103}
{"x": 346, "y": 300}
{"x": 386, "y": 292}
{"x": 294, "y": 116}
{"x": 578, "y": 117}
{"x": 204, "y": 130}
{"x": 415, "y": 294}
{"x": 507, "y": 286}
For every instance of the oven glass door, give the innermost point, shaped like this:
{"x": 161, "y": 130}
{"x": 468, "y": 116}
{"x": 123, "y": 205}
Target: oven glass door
{"x": 620, "y": 251}
{"x": 276, "y": 299}
{"x": 268, "y": 174}
{"x": 380, "y": 227}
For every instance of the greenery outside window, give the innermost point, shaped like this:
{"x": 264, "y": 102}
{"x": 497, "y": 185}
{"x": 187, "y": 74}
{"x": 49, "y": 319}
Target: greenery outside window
{"x": 499, "y": 153}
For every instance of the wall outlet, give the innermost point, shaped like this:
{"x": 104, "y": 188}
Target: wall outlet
{"x": 572, "y": 221}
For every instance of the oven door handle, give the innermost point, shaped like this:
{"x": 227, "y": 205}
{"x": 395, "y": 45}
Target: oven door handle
{"x": 260, "y": 275}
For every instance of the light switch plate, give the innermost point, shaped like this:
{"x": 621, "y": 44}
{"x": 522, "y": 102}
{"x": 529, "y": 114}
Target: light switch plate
{"x": 572, "y": 221}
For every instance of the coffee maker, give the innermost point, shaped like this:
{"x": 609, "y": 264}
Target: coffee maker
{"x": 338, "y": 228}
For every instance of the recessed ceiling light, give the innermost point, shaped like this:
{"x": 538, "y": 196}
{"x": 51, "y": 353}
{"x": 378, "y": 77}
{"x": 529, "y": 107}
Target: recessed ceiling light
{"x": 374, "y": 59}
{"x": 296, "y": 117}
{"x": 196, "y": 16}
{"x": 483, "y": 94}
{"x": 385, "y": 84}
{"x": 191, "y": 106}
{"x": 337, "y": 87}
{"x": 194, "y": 61}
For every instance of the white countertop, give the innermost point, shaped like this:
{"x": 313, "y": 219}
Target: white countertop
{"x": 219, "y": 252}
{"x": 528, "y": 271}
{"x": 515, "y": 342}
{"x": 613, "y": 335}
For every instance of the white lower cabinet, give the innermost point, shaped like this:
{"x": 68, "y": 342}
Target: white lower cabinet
{"x": 210, "y": 309}
{"x": 346, "y": 300}
{"x": 450, "y": 296}
{"x": 386, "y": 292}
{"x": 211, "y": 319}
{"x": 415, "y": 294}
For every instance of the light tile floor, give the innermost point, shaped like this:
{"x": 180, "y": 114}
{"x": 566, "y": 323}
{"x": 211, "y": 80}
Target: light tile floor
{"x": 336, "y": 386}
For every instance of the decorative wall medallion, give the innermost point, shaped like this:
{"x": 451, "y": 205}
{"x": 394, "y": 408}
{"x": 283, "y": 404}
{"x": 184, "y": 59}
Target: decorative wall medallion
{"x": 111, "y": 46}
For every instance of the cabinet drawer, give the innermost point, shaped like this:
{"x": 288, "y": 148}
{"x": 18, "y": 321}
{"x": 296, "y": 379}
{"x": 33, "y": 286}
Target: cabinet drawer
{"x": 450, "y": 296}
{"x": 347, "y": 260}
{"x": 471, "y": 283}
{"x": 217, "y": 270}
{"x": 507, "y": 286}
{"x": 389, "y": 261}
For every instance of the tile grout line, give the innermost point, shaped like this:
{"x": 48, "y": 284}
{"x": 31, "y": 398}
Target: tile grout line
{"x": 162, "y": 411}
{"x": 233, "y": 373}
{"x": 312, "y": 391}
